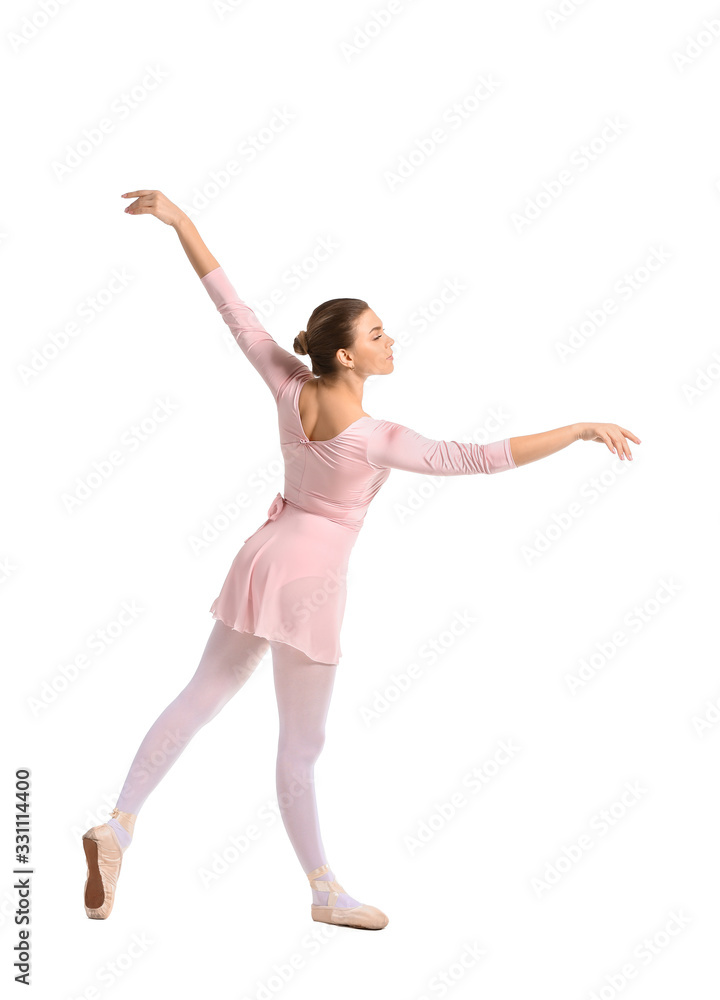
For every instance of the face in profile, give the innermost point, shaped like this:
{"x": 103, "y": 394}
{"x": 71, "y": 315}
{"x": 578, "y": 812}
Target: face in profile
{"x": 372, "y": 350}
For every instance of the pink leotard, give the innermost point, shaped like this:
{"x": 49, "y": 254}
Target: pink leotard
{"x": 287, "y": 582}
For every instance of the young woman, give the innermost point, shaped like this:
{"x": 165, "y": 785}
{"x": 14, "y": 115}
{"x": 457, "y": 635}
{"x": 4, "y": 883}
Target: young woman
{"x": 285, "y": 589}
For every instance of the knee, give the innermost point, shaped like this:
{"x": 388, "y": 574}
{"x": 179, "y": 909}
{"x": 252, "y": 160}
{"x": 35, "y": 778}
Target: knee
{"x": 301, "y": 751}
{"x": 207, "y": 703}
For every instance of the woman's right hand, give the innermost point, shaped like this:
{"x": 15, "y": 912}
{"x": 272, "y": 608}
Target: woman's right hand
{"x": 154, "y": 203}
{"x": 610, "y": 434}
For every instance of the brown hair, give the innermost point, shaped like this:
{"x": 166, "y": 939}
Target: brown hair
{"x": 331, "y": 327}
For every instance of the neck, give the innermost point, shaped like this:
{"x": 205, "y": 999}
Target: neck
{"x": 344, "y": 387}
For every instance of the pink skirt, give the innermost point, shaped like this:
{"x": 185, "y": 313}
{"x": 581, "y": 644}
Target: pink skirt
{"x": 288, "y": 581}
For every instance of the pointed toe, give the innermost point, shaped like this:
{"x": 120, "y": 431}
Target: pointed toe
{"x": 104, "y": 861}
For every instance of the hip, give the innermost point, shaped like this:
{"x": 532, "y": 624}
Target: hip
{"x": 308, "y": 542}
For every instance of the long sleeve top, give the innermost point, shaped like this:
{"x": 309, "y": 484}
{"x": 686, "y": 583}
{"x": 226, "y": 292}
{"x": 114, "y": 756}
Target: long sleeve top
{"x": 339, "y": 477}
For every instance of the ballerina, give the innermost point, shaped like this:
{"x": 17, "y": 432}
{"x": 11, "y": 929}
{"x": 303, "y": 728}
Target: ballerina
{"x": 285, "y": 590}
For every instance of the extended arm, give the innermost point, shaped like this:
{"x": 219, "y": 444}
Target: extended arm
{"x": 531, "y": 447}
{"x": 151, "y": 202}
{"x": 273, "y": 362}
{"x": 198, "y": 254}
{"x": 395, "y": 446}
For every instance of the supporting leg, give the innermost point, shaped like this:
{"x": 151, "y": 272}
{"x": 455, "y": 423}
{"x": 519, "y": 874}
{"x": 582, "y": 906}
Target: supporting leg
{"x": 303, "y": 688}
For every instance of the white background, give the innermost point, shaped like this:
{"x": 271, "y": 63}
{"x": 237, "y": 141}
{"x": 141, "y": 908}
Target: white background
{"x": 473, "y": 546}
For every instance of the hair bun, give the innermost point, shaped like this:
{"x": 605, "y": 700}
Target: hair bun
{"x": 300, "y": 343}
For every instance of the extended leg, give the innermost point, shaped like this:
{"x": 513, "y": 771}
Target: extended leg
{"x": 303, "y": 688}
{"x": 228, "y": 660}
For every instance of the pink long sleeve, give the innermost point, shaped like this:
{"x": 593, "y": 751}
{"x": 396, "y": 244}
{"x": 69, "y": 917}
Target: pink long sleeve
{"x": 394, "y": 446}
{"x": 273, "y": 362}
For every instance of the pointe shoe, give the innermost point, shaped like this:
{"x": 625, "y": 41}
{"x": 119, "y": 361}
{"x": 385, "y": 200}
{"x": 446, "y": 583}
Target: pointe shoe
{"x": 366, "y": 917}
{"x": 104, "y": 860}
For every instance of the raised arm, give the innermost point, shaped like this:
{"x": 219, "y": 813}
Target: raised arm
{"x": 151, "y": 202}
{"x": 273, "y": 362}
{"x": 394, "y": 446}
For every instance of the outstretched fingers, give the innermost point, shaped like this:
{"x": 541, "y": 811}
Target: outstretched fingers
{"x": 605, "y": 436}
{"x": 137, "y": 207}
{"x": 630, "y": 434}
{"x": 623, "y": 447}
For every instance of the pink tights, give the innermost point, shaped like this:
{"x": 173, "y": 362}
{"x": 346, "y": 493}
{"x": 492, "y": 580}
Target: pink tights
{"x": 303, "y": 688}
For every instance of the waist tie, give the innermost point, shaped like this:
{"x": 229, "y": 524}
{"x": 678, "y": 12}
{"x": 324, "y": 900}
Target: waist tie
{"x": 275, "y": 507}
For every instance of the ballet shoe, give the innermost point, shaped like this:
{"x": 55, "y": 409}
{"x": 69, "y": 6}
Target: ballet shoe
{"x": 364, "y": 917}
{"x": 104, "y": 860}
